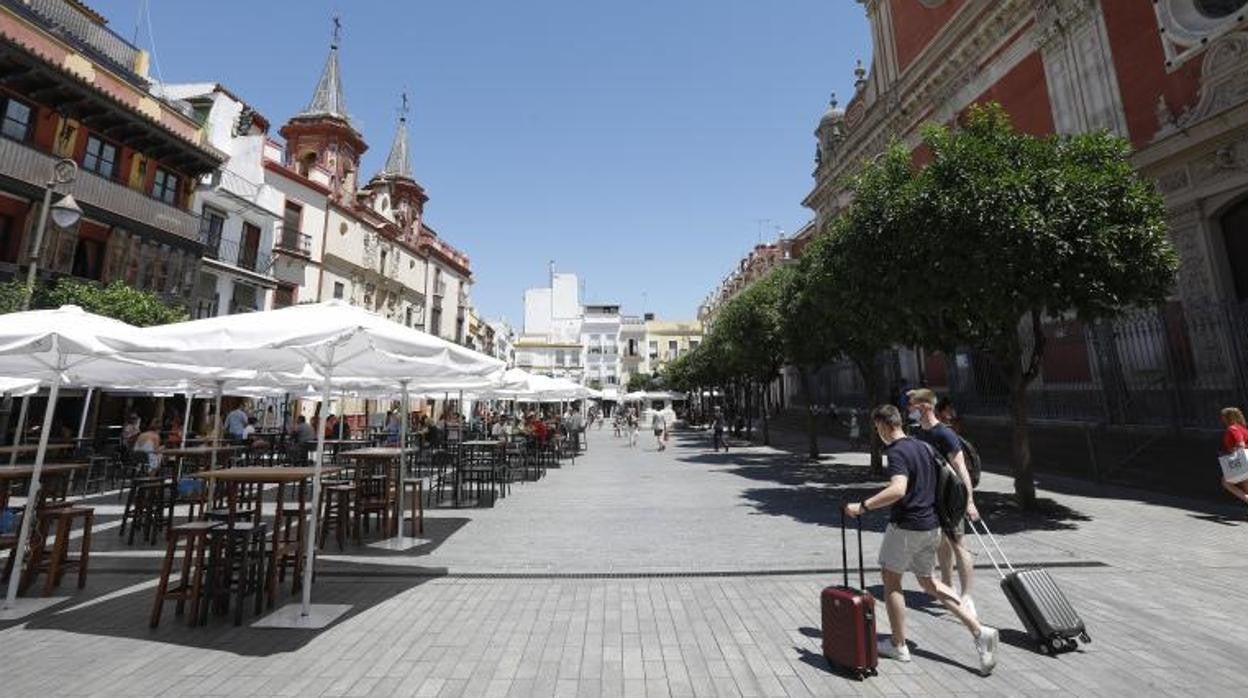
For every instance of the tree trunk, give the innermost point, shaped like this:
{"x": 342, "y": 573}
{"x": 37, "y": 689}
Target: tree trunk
{"x": 871, "y": 382}
{"x": 766, "y": 409}
{"x": 1020, "y": 442}
{"x": 750, "y": 405}
{"x": 812, "y": 427}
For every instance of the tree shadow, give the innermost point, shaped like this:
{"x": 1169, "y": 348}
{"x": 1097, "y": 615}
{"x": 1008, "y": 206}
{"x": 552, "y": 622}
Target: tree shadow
{"x": 1003, "y": 514}
{"x": 812, "y": 505}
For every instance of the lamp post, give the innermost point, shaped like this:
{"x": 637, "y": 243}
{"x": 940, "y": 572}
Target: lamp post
{"x": 65, "y": 214}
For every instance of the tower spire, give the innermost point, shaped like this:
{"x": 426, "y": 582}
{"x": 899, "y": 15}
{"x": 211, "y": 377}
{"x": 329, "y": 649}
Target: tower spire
{"x": 399, "y": 162}
{"x": 327, "y": 99}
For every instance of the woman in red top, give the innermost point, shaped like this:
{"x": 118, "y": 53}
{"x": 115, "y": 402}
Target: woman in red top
{"x": 1235, "y": 437}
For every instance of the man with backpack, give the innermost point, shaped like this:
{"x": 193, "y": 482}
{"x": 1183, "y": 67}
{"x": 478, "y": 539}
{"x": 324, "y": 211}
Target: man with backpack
{"x": 947, "y": 443}
{"x": 913, "y": 535}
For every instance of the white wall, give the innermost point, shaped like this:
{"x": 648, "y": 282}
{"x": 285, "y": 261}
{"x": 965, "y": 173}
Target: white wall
{"x": 537, "y": 311}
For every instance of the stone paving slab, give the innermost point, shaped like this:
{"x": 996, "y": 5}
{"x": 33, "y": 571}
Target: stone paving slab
{"x": 1156, "y": 603}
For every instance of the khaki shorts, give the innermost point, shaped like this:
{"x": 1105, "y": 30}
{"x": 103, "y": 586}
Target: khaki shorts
{"x": 905, "y": 550}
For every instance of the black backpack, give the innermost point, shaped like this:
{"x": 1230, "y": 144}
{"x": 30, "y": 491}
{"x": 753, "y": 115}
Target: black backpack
{"x": 951, "y": 494}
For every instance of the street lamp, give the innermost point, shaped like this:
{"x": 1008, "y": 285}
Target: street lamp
{"x": 65, "y": 214}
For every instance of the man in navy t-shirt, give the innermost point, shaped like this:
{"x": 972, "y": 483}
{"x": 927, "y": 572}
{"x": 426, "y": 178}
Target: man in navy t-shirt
{"x": 912, "y": 537}
{"x": 946, "y": 442}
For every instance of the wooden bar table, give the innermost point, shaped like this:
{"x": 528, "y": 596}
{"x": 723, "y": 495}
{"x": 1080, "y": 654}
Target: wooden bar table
{"x": 388, "y": 455}
{"x": 20, "y": 473}
{"x": 29, "y": 449}
{"x": 195, "y": 453}
{"x": 270, "y": 475}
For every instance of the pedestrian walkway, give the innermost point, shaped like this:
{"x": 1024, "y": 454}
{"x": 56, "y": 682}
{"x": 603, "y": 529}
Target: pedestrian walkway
{"x": 683, "y": 573}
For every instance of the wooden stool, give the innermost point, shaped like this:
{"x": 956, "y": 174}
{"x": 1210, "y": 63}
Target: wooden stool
{"x": 287, "y": 539}
{"x": 237, "y": 565}
{"x": 190, "y": 586}
{"x": 417, "y": 488}
{"x": 336, "y": 505}
{"x": 62, "y": 518}
{"x": 144, "y": 507}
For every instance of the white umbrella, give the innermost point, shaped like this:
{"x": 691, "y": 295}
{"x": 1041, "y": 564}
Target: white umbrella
{"x": 329, "y": 339}
{"x": 67, "y": 346}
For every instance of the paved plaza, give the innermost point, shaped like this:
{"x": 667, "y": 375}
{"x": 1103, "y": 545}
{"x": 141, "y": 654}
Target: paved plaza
{"x": 681, "y": 573}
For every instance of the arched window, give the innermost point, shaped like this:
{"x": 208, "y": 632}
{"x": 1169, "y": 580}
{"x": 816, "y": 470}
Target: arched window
{"x": 1235, "y": 233}
{"x": 306, "y": 162}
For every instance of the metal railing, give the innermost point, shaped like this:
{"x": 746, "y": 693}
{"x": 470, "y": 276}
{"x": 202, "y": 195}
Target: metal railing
{"x": 26, "y": 164}
{"x": 61, "y": 17}
{"x": 293, "y": 241}
{"x": 231, "y": 252}
{"x": 1175, "y": 366}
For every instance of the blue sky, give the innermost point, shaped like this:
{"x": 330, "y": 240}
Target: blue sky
{"x": 634, "y": 143}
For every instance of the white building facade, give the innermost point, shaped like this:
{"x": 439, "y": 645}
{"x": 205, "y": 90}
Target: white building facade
{"x": 239, "y": 213}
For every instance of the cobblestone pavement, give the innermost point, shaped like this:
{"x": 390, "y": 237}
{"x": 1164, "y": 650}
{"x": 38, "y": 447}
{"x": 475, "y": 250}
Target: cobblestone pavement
{"x": 682, "y": 573}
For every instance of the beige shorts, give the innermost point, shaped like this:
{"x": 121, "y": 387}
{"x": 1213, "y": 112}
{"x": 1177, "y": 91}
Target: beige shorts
{"x": 905, "y": 550}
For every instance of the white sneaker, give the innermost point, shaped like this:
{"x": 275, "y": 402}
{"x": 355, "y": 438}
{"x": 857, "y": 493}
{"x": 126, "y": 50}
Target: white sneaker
{"x": 885, "y": 648}
{"x": 968, "y": 604}
{"x": 986, "y": 644}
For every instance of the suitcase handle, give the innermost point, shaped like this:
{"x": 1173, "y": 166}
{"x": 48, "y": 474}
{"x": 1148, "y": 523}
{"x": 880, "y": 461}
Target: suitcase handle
{"x": 862, "y": 575}
{"x": 1005, "y": 560}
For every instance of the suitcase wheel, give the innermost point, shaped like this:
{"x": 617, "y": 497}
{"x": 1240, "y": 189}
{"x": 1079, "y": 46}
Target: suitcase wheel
{"x": 1085, "y": 637}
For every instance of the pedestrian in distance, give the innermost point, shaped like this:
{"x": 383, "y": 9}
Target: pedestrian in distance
{"x": 659, "y": 424}
{"x": 1234, "y": 444}
{"x": 912, "y": 538}
{"x": 941, "y": 437}
{"x": 718, "y": 424}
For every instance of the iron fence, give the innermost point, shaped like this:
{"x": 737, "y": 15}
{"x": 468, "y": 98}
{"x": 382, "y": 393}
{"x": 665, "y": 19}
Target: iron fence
{"x": 1175, "y": 365}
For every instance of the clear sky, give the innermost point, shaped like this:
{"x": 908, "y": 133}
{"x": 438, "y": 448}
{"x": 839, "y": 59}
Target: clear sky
{"x": 637, "y": 144}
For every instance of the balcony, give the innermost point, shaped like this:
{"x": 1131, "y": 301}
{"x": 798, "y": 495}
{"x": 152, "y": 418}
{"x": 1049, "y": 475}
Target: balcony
{"x": 94, "y": 39}
{"x": 230, "y": 252}
{"x": 28, "y": 165}
{"x": 293, "y": 242}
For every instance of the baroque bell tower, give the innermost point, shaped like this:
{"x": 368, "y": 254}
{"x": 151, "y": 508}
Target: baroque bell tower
{"x": 322, "y": 135}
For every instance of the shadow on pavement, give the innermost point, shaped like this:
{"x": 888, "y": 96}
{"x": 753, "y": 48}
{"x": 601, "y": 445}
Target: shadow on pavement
{"x": 126, "y": 615}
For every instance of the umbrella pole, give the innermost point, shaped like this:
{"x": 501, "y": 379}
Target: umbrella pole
{"x": 21, "y": 428}
{"x": 398, "y": 482}
{"x": 342, "y": 414}
{"x": 32, "y": 492}
{"x": 86, "y": 407}
{"x": 186, "y": 427}
{"x": 305, "y": 608}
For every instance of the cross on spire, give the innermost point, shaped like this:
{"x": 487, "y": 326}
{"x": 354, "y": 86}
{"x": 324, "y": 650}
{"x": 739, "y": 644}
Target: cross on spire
{"x": 327, "y": 98}
{"x": 399, "y": 162}
{"x": 337, "y": 33}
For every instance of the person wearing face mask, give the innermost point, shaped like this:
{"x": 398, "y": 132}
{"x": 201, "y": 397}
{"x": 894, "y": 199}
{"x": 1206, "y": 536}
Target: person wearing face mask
{"x": 941, "y": 437}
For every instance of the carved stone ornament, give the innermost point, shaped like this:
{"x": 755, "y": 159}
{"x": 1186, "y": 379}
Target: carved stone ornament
{"x": 1057, "y": 18}
{"x": 1232, "y": 157}
{"x": 1173, "y": 181}
{"x": 1223, "y": 79}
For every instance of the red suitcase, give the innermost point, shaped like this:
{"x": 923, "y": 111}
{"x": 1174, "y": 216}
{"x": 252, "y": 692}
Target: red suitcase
{"x": 849, "y": 618}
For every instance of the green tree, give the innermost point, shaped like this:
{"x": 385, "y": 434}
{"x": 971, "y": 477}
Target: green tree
{"x": 749, "y": 327}
{"x": 116, "y": 300}
{"x": 808, "y": 338}
{"x": 1017, "y": 228}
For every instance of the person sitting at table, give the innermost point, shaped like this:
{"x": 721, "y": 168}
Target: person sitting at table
{"x": 331, "y": 426}
{"x": 539, "y": 431}
{"x": 235, "y": 423}
{"x": 131, "y": 431}
{"x": 173, "y": 433}
{"x": 394, "y": 428}
{"x": 303, "y": 432}
{"x": 149, "y": 442}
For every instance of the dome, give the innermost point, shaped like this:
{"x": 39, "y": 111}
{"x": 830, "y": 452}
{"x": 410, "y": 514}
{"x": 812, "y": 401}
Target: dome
{"x": 832, "y": 114}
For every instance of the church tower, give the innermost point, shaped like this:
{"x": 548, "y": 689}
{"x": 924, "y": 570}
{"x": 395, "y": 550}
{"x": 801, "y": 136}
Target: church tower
{"x": 392, "y": 191}
{"x": 322, "y": 134}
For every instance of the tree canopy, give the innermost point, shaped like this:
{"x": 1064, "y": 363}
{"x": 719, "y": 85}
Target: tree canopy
{"x": 116, "y": 300}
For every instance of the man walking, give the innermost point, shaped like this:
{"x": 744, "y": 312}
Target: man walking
{"x": 717, "y": 430}
{"x": 912, "y": 537}
{"x": 944, "y": 439}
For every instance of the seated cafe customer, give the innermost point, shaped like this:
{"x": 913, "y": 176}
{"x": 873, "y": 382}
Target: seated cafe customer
{"x": 149, "y": 442}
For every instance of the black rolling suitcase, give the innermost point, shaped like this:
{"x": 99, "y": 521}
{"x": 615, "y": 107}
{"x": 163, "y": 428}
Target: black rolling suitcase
{"x": 1045, "y": 611}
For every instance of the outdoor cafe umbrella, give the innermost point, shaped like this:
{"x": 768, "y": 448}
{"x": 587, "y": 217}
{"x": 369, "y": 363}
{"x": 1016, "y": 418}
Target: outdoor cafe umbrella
{"x": 66, "y": 346}
{"x": 327, "y": 339}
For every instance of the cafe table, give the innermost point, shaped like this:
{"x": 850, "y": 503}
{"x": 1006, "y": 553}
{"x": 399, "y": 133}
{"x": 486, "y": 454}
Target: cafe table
{"x": 21, "y": 473}
{"x": 196, "y": 453}
{"x": 28, "y": 449}
{"x": 389, "y": 455}
{"x": 280, "y": 476}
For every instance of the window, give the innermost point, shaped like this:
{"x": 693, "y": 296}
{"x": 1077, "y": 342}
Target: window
{"x": 673, "y": 349}
{"x": 292, "y": 220}
{"x": 211, "y": 222}
{"x": 249, "y": 251}
{"x": 17, "y": 120}
{"x": 407, "y": 316}
{"x": 559, "y": 357}
{"x": 100, "y": 157}
{"x": 284, "y": 296}
{"x": 383, "y": 261}
{"x": 338, "y": 290}
{"x": 7, "y": 254}
{"x": 1235, "y": 231}
{"x": 165, "y": 186}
